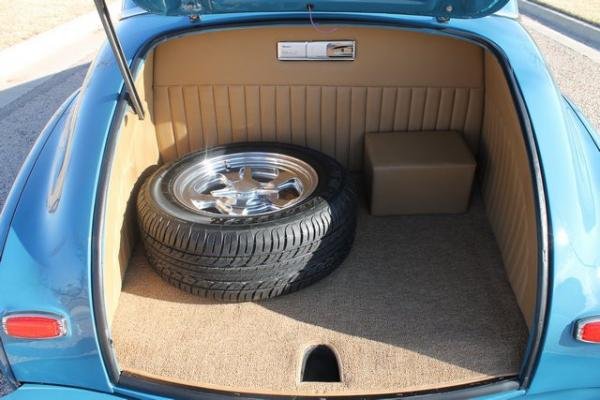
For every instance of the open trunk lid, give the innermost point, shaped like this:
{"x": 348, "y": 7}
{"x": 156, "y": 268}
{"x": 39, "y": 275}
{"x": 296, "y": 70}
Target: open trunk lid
{"x": 433, "y": 8}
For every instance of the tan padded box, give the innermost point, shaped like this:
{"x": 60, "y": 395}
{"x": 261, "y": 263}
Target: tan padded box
{"x": 418, "y": 172}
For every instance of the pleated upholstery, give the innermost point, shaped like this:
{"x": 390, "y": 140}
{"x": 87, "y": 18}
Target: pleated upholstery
{"x": 206, "y": 95}
{"x": 331, "y": 119}
{"x": 508, "y": 190}
{"x": 226, "y": 86}
{"x": 198, "y": 95}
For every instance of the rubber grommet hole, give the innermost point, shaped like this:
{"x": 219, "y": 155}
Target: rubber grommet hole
{"x": 320, "y": 365}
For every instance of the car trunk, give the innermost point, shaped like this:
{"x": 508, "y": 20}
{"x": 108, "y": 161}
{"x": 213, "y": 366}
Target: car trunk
{"x": 422, "y": 302}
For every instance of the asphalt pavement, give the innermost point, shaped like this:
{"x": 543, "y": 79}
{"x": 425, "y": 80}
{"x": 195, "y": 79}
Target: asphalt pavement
{"x": 576, "y": 72}
{"x": 3, "y": 387}
{"x": 575, "y": 67}
{"x": 577, "y": 76}
{"x": 23, "y": 119}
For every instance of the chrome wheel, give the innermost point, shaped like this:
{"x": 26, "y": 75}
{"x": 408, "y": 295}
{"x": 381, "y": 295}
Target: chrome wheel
{"x": 245, "y": 183}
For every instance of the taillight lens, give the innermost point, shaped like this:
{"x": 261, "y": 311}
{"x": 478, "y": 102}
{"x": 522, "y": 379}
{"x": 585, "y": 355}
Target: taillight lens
{"x": 34, "y": 326}
{"x": 588, "y": 330}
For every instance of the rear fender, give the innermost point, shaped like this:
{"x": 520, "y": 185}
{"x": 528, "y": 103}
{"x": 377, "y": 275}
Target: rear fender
{"x": 58, "y": 119}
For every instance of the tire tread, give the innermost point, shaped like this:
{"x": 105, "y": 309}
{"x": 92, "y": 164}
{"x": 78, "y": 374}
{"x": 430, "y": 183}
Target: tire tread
{"x": 255, "y": 261}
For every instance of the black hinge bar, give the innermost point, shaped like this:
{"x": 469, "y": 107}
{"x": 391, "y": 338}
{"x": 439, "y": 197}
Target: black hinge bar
{"x": 133, "y": 96}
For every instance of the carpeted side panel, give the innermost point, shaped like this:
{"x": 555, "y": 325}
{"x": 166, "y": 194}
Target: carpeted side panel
{"x": 422, "y": 302}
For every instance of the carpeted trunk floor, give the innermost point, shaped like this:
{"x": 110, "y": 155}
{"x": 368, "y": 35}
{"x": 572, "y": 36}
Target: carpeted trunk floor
{"x": 422, "y": 302}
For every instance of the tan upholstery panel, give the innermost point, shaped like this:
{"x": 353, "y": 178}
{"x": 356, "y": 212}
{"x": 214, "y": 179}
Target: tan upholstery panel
{"x": 227, "y": 86}
{"x": 507, "y": 188}
{"x": 326, "y": 118}
{"x": 219, "y": 87}
{"x": 385, "y": 57}
{"x": 136, "y": 150}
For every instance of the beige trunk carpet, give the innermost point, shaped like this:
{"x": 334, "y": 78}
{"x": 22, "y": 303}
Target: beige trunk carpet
{"x": 422, "y": 302}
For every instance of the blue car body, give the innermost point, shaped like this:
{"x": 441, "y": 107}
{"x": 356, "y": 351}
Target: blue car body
{"x": 49, "y": 225}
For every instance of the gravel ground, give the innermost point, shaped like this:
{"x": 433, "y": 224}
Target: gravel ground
{"x": 587, "y": 10}
{"x": 22, "y": 19}
{"x": 3, "y": 386}
{"x": 22, "y": 120}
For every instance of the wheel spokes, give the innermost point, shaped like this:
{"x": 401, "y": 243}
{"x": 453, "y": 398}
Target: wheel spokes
{"x": 203, "y": 201}
{"x": 279, "y": 203}
{"x": 281, "y": 180}
{"x": 225, "y": 192}
{"x": 228, "y": 177}
{"x": 246, "y": 174}
{"x": 245, "y": 184}
{"x": 224, "y": 199}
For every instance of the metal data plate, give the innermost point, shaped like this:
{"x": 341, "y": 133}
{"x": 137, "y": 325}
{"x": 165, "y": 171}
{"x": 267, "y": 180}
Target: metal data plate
{"x": 327, "y": 50}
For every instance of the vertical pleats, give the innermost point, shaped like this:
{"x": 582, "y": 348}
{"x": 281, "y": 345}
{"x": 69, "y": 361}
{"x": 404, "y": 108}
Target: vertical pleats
{"x": 402, "y": 113}
{"x": 238, "y": 114}
{"x": 342, "y": 125}
{"x": 164, "y": 128}
{"x": 417, "y": 109}
{"x": 358, "y": 101}
{"x": 432, "y": 105}
{"x": 459, "y": 109}
{"x": 509, "y": 202}
{"x": 445, "y": 109}
{"x": 209, "y": 116}
{"x": 326, "y": 118}
{"x": 223, "y": 112}
{"x": 268, "y": 114}
{"x": 252, "y": 102}
{"x": 388, "y": 109}
{"x": 298, "y": 117}
{"x": 178, "y": 120}
{"x": 505, "y": 182}
{"x": 474, "y": 118}
{"x": 313, "y": 117}
{"x": 373, "y": 109}
{"x": 283, "y": 113}
{"x": 191, "y": 102}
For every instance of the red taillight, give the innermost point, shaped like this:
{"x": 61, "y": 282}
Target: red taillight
{"x": 33, "y": 326}
{"x": 588, "y": 330}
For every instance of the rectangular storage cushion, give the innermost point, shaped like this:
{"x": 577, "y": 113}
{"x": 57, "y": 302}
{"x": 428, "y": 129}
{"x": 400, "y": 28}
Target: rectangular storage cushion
{"x": 418, "y": 172}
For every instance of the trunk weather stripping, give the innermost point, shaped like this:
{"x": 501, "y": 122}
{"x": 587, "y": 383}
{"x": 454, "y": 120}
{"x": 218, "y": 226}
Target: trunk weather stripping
{"x": 133, "y": 97}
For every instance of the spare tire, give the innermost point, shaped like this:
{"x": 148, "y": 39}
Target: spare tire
{"x": 247, "y": 221}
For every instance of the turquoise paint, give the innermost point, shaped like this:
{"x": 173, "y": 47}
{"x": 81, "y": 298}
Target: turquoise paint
{"x": 433, "y": 8}
{"x": 46, "y": 262}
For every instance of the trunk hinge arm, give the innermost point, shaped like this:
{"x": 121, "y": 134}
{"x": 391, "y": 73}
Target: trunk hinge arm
{"x": 133, "y": 97}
